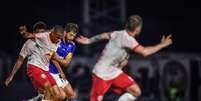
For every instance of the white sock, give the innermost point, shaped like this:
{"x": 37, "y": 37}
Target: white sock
{"x": 35, "y": 98}
{"x": 127, "y": 97}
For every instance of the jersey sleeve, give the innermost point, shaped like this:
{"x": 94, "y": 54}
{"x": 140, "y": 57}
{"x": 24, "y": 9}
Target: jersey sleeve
{"x": 25, "y": 51}
{"x": 130, "y": 42}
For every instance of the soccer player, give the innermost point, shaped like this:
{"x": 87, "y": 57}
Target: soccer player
{"x": 26, "y": 51}
{"x": 38, "y": 66}
{"x": 64, "y": 55}
{"x": 108, "y": 72}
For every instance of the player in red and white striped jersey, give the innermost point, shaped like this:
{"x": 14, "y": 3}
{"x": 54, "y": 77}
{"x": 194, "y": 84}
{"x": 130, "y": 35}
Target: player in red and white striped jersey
{"x": 108, "y": 72}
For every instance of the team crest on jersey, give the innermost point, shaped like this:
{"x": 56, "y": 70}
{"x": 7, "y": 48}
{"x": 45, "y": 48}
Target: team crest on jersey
{"x": 43, "y": 76}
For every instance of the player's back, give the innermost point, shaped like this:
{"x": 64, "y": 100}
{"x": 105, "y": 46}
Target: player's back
{"x": 108, "y": 66}
{"x": 42, "y": 47}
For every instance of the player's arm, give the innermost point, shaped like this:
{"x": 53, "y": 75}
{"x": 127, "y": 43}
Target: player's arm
{"x": 149, "y": 50}
{"x": 59, "y": 68}
{"x": 16, "y": 67}
{"x": 96, "y": 38}
{"x": 23, "y": 31}
{"x": 66, "y": 61}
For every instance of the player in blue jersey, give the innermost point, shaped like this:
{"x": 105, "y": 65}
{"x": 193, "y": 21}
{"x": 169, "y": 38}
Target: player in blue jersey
{"x": 63, "y": 56}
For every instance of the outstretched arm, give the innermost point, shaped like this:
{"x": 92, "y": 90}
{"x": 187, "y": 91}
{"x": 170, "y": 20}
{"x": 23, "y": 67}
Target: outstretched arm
{"x": 149, "y": 50}
{"x": 16, "y": 67}
{"x": 96, "y": 38}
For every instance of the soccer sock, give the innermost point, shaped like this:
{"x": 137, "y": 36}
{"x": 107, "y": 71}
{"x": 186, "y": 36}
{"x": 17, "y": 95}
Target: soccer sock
{"x": 36, "y": 97}
{"x": 127, "y": 97}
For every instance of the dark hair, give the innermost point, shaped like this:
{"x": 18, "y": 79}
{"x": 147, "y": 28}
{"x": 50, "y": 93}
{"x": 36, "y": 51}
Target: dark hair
{"x": 58, "y": 29}
{"x": 133, "y": 22}
{"x": 72, "y": 27}
{"x": 39, "y": 25}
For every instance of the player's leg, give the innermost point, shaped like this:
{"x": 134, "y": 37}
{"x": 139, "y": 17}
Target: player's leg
{"x": 99, "y": 88}
{"x": 54, "y": 89}
{"x": 42, "y": 80}
{"x": 37, "y": 77}
{"x": 70, "y": 94}
{"x": 132, "y": 93}
{"x": 59, "y": 83}
{"x": 128, "y": 85}
{"x": 65, "y": 87}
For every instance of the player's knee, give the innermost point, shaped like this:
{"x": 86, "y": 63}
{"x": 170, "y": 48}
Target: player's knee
{"x": 135, "y": 90}
{"x": 58, "y": 97}
{"x": 62, "y": 97}
{"x": 46, "y": 85}
{"x": 138, "y": 92}
{"x": 71, "y": 95}
{"x": 56, "y": 94}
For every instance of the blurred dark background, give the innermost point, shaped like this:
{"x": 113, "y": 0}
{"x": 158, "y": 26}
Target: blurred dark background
{"x": 180, "y": 18}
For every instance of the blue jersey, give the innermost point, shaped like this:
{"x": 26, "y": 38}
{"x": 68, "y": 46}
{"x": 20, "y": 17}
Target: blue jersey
{"x": 62, "y": 51}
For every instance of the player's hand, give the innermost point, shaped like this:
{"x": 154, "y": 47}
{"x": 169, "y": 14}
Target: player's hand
{"x": 22, "y": 29}
{"x": 8, "y": 80}
{"x": 83, "y": 40}
{"x": 124, "y": 63}
{"x": 50, "y": 55}
{"x": 166, "y": 41}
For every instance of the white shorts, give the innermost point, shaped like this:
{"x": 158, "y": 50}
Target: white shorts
{"x": 60, "y": 81}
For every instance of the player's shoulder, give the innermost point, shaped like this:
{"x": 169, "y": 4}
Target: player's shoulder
{"x": 29, "y": 41}
{"x": 71, "y": 44}
{"x": 118, "y": 31}
{"x": 46, "y": 33}
{"x": 67, "y": 44}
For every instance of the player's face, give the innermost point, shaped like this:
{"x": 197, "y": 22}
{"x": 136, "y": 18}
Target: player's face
{"x": 55, "y": 37}
{"x": 137, "y": 31}
{"x": 70, "y": 36}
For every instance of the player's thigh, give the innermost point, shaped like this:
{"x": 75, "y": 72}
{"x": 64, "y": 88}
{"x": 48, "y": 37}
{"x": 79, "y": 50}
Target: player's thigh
{"x": 99, "y": 88}
{"x": 38, "y": 77}
{"x": 69, "y": 91}
{"x": 123, "y": 82}
{"x": 63, "y": 95}
{"x": 54, "y": 88}
{"x": 55, "y": 91}
{"x": 134, "y": 90}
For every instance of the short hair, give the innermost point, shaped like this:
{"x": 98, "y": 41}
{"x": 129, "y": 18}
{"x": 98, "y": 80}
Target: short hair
{"x": 39, "y": 25}
{"x": 72, "y": 27}
{"x": 133, "y": 22}
{"x": 58, "y": 29}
